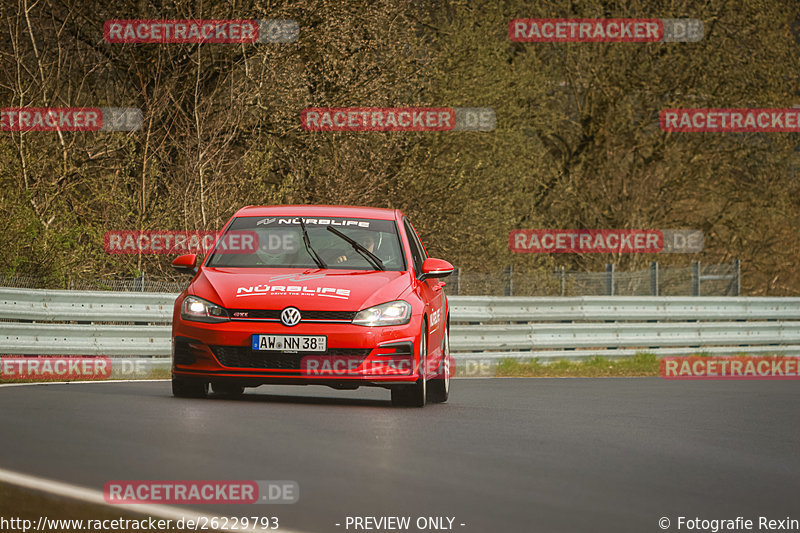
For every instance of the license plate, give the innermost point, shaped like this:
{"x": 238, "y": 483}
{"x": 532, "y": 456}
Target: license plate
{"x": 290, "y": 343}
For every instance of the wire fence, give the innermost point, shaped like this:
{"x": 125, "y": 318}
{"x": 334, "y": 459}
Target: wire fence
{"x": 140, "y": 284}
{"x": 694, "y": 280}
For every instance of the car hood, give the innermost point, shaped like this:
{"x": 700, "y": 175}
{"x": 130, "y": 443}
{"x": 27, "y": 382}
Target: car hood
{"x": 274, "y": 288}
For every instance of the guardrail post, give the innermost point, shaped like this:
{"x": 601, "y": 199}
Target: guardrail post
{"x": 610, "y": 279}
{"x": 454, "y": 281}
{"x": 653, "y": 278}
{"x": 696, "y": 278}
{"x": 509, "y": 286}
{"x": 737, "y": 271}
{"x": 563, "y": 281}
{"x": 138, "y": 283}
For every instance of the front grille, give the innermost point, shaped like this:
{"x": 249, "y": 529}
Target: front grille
{"x": 275, "y": 314}
{"x": 328, "y": 315}
{"x": 244, "y": 357}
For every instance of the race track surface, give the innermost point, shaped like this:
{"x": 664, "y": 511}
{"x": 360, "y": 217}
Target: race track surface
{"x": 504, "y": 455}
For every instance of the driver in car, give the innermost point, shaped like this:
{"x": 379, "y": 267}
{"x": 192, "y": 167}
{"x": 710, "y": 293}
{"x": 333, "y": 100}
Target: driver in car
{"x": 367, "y": 241}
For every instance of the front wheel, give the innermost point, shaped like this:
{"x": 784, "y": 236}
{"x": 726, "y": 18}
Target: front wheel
{"x": 228, "y": 390}
{"x": 415, "y": 395}
{"x": 440, "y": 385}
{"x": 188, "y": 388}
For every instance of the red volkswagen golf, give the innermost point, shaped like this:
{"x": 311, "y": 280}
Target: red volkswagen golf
{"x": 336, "y": 296}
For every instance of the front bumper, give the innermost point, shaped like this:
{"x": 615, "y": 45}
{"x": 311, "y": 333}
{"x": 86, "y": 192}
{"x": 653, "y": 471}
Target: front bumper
{"x": 355, "y": 355}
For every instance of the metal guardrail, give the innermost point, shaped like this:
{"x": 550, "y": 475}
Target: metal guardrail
{"x": 85, "y": 339}
{"x": 492, "y": 328}
{"x": 85, "y": 306}
{"x": 605, "y": 308}
{"x": 622, "y": 335}
{"x": 492, "y": 358}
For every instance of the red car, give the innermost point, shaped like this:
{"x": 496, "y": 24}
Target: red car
{"x": 337, "y": 296}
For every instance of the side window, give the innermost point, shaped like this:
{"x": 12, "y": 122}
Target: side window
{"x": 417, "y": 251}
{"x": 422, "y": 251}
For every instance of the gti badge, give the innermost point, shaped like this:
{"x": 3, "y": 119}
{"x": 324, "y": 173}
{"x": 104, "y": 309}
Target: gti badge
{"x": 290, "y": 316}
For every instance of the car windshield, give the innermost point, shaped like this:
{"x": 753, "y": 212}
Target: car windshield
{"x": 269, "y": 242}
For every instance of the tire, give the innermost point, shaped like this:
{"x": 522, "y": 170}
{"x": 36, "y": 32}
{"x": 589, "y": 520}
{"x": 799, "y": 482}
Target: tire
{"x": 439, "y": 389}
{"x": 230, "y": 390}
{"x": 189, "y": 388}
{"x": 415, "y": 395}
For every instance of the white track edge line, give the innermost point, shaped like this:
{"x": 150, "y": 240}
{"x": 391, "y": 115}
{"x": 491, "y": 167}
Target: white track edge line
{"x": 96, "y": 497}
{"x": 81, "y": 382}
{"x": 458, "y": 378}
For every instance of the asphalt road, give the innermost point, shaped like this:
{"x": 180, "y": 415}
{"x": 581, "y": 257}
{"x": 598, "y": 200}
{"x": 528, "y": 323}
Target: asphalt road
{"x": 504, "y": 455}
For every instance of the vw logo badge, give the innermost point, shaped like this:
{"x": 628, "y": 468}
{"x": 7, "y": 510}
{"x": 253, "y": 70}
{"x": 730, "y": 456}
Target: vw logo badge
{"x": 290, "y": 316}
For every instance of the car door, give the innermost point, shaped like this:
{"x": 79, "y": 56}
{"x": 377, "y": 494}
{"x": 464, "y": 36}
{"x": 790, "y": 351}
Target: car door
{"x": 429, "y": 291}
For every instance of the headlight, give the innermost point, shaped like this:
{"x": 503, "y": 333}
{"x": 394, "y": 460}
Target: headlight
{"x": 388, "y": 314}
{"x": 199, "y": 310}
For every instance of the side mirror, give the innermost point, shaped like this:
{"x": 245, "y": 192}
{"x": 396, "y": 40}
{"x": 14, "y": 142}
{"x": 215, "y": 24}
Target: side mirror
{"x": 435, "y": 268}
{"x": 186, "y": 264}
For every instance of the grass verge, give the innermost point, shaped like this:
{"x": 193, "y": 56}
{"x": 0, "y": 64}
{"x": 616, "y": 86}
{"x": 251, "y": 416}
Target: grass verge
{"x": 641, "y": 364}
{"x": 157, "y": 373}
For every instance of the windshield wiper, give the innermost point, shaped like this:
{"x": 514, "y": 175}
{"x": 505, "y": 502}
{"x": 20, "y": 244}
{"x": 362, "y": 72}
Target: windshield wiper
{"x": 317, "y": 259}
{"x": 369, "y": 256}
